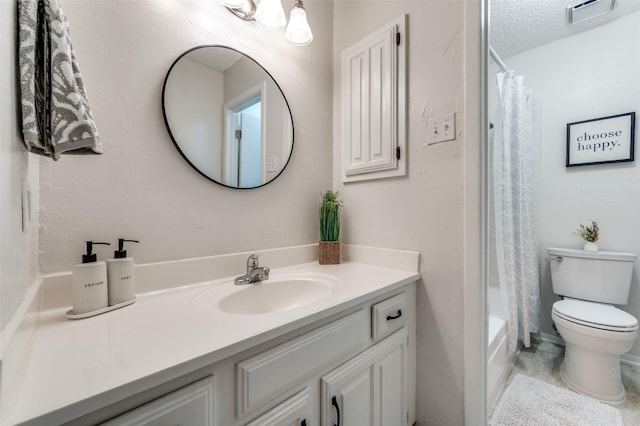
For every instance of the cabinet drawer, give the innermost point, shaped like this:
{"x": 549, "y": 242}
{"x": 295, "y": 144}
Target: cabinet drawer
{"x": 190, "y": 406}
{"x": 268, "y": 375}
{"x": 388, "y": 316}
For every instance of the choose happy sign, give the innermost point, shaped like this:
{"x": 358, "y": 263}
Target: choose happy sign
{"x": 601, "y": 140}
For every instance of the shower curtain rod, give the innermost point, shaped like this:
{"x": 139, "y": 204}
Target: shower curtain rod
{"x": 496, "y": 58}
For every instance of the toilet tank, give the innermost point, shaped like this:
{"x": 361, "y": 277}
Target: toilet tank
{"x": 603, "y": 276}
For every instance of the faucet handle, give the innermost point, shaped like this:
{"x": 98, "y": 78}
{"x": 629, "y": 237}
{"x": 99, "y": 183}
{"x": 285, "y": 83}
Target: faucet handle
{"x": 252, "y": 262}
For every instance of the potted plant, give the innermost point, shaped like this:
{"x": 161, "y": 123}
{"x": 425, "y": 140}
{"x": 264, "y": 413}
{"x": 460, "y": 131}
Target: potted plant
{"x": 330, "y": 228}
{"x": 590, "y": 235}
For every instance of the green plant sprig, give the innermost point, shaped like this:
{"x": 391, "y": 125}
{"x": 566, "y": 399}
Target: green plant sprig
{"x": 588, "y": 233}
{"x": 330, "y": 216}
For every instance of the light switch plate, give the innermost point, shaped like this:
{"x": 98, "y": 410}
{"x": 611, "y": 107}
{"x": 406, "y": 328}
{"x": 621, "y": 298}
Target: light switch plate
{"x": 272, "y": 163}
{"x": 441, "y": 129}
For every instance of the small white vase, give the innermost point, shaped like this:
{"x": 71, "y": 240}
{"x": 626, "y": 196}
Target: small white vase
{"x": 591, "y": 247}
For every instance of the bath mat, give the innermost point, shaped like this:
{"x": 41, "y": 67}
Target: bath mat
{"x": 528, "y": 401}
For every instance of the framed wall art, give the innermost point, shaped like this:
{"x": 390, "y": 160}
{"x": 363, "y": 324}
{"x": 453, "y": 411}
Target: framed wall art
{"x": 601, "y": 140}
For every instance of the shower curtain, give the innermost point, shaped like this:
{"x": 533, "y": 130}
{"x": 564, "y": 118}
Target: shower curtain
{"x": 515, "y": 204}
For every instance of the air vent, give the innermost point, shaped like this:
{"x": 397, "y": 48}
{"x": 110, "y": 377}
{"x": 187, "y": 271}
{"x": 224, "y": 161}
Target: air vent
{"x": 589, "y": 9}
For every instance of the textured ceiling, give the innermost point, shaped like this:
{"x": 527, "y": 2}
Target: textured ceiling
{"x": 520, "y": 25}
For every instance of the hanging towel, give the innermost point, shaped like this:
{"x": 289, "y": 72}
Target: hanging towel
{"x": 56, "y": 118}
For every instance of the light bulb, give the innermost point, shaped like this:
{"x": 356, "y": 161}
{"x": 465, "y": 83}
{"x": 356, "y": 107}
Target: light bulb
{"x": 271, "y": 14}
{"x": 298, "y": 31}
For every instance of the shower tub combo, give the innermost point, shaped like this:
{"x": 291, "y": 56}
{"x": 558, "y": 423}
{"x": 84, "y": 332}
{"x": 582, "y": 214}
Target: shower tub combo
{"x": 500, "y": 360}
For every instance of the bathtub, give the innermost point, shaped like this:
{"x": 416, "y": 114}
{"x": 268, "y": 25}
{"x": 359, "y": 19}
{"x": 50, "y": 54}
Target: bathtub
{"x": 500, "y": 361}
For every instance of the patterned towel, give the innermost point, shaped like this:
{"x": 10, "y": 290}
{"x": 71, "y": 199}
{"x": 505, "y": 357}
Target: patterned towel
{"x": 56, "y": 117}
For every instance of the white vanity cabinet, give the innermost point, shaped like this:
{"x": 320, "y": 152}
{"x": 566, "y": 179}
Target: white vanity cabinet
{"x": 358, "y": 367}
{"x": 358, "y": 362}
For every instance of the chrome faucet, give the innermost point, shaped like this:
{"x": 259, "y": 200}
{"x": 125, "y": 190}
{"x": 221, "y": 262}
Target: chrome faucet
{"x": 254, "y": 273}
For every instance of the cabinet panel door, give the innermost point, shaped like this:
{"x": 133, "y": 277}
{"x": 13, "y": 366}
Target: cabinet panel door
{"x": 295, "y": 411}
{"x": 373, "y": 73}
{"x": 268, "y": 375}
{"x": 357, "y": 398}
{"x": 189, "y": 406}
{"x": 370, "y": 389}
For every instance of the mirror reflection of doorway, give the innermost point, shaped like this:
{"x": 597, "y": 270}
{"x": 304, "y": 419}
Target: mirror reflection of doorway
{"x": 244, "y": 149}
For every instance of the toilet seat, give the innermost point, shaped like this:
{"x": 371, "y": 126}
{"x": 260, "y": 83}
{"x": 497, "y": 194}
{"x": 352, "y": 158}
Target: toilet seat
{"x": 595, "y": 315}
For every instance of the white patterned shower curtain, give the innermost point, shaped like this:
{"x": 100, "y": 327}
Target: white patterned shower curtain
{"x": 515, "y": 204}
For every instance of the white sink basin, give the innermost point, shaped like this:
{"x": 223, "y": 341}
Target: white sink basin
{"x": 279, "y": 294}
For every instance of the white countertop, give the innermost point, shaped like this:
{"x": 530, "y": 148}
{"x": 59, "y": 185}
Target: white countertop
{"x": 77, "y": 366}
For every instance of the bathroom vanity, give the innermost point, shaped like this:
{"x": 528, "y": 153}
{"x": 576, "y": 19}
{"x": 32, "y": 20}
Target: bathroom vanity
{"x": 209, "y": 354}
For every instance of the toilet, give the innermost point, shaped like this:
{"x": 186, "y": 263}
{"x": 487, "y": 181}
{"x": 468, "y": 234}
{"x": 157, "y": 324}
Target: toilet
{"x": 595, "y": 332}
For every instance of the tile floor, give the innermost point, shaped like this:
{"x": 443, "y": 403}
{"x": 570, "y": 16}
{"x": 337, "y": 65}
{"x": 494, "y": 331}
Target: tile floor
{"x": 542, "y": 361}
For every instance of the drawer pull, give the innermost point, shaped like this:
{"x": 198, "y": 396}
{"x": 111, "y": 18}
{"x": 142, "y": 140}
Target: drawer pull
{"x": 334, "y": 402}
{"x": 398, "y": 315}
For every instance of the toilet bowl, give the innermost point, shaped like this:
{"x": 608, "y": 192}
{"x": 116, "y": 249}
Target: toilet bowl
{"x": 595, "y": 331}
{"x": 595, "y": 335}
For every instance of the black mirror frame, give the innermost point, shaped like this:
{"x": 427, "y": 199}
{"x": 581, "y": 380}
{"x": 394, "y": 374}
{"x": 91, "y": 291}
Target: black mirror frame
{"x": 173, "y": 139}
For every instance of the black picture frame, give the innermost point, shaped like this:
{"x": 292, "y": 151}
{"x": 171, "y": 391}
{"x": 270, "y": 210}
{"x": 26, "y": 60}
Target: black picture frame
{"x": 601, "y": 140}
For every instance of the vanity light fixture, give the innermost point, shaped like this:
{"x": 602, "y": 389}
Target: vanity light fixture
{"x": 298, "y": 31}
{"x": 243, "y": 9}
{"x": 270, "y": 14}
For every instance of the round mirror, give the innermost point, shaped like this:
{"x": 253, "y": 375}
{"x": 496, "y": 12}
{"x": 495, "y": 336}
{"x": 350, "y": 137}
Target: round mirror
{"x": 227, "y": 117}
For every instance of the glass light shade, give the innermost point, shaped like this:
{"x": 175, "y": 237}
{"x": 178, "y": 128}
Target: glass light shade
{"x": 233, "y": 4}
{"x": 298, "y": 31}
{"x": 271, "y": 14}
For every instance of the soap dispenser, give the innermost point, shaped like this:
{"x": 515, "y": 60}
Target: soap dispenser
{"x": 89, "y": 283}
{"x": 121, "y": 275}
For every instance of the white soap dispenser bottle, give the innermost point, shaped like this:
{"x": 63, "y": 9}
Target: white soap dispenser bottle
{"x": 89, "y": 283}
{"x": 121, "y": 275}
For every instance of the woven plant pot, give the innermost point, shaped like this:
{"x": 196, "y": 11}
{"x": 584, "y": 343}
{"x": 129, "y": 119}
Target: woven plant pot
{"x": 329, "y": 252}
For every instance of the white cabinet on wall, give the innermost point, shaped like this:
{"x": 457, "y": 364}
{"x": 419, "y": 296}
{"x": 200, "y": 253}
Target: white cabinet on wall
{"x": 374, "y": 105}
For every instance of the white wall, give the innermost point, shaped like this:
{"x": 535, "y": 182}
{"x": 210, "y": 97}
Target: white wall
{"x": 424, "y": 210}
{"x": 141, "y": 188}
{"x": 18, "y": 250}
{"x": 589, "y": 75}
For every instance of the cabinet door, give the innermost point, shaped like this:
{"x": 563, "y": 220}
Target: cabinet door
{"x": 353, "y": 401}
{"x": 296, "y": 411}
{"x": 373, "y": 105}
{"x": 189, "y": 406}
{"x": 370, "y": 389}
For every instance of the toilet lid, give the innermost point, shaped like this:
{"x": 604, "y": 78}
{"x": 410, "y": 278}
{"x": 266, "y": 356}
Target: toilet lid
{"x": 598, "y": 315}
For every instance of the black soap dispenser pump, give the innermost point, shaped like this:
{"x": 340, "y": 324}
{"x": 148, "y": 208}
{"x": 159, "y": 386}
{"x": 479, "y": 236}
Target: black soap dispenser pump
{"x": 121, "y": 275}
{"x": 89, "y": 290}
